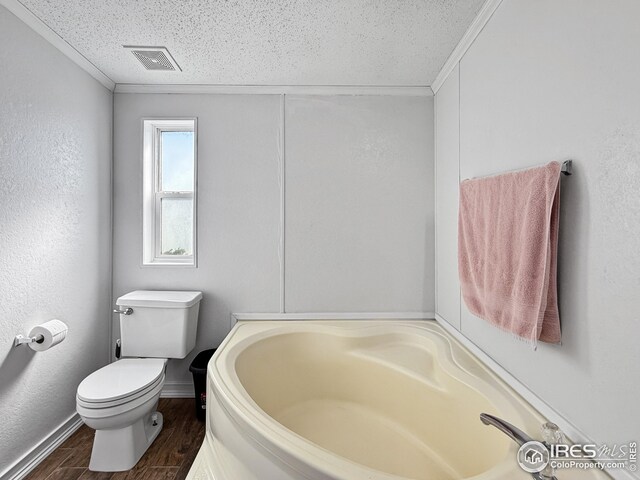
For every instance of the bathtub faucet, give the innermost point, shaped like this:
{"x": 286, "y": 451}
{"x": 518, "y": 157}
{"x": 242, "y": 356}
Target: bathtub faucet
{"x": 516, "y": 435}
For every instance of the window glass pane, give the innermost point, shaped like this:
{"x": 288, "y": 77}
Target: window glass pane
{"x": 177, "y": 226}
{"x": 177, "y": 161}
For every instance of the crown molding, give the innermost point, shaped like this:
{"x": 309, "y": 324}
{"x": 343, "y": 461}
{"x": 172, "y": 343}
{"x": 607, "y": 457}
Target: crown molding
{"x": 483, "y": 17}
{"x": 392, "y": 90}
{"x": 42, "y": 29}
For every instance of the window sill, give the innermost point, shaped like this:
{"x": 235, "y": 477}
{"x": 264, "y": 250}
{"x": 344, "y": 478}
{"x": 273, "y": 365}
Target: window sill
{"x": 165, "y": 263}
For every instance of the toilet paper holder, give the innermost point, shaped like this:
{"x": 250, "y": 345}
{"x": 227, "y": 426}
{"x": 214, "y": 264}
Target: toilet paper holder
{"x": 43, "y": 337}
{"x": 21, "y": 339}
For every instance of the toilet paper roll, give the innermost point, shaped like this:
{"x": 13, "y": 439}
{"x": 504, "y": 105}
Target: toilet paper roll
{"x": 53, "y": 331}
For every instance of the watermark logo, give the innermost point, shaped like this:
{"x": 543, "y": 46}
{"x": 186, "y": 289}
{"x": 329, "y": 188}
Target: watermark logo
{"x": 533, "y": 457}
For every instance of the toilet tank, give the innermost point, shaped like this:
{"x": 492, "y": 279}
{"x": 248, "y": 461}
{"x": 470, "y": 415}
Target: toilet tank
{"x": 162, "y": 324}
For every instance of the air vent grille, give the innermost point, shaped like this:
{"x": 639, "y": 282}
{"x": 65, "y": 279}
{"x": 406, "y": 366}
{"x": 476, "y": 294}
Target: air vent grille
{"x": 154, "y": 58}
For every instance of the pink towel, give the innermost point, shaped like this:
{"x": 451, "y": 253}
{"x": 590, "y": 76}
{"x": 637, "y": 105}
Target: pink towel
{"x": 507, "y": 244}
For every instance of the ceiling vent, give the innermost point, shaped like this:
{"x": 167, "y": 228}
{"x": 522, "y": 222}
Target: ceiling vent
{"x": 155, "y": 58}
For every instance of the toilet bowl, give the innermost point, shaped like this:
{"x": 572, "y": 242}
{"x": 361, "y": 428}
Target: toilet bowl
{"x": 119, "y": 401}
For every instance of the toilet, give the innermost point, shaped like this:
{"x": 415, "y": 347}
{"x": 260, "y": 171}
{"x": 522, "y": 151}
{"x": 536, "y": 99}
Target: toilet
{"x": 119, "y": 401}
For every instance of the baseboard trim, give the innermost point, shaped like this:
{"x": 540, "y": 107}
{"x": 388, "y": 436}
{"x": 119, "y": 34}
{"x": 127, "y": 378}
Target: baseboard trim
{"x": 236, "y": 317}
{"x": 177, "y": 390}
{"x": 23, "y": 466}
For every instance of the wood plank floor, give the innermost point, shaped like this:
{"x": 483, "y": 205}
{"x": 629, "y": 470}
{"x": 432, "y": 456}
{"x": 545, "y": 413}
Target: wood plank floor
{"x": 169, "y": 457}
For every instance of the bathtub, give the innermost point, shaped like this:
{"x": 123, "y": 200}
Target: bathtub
{"x": 355, "y": 400}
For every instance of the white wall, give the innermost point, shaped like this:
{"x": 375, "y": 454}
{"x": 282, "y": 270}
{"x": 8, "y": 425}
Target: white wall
{"x": 544, "y": 81}
{"x": 358, "y": 216}
{"x": 238, "y": 208}
{"x": 55, "y": 234}
{"x": 359, "y": 204}
{"x": 447, "y": 172}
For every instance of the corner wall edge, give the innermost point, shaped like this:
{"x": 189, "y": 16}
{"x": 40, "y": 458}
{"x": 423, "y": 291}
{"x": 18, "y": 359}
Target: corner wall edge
{"x": 481, "y": 20}
{"x": 46, "y": 32}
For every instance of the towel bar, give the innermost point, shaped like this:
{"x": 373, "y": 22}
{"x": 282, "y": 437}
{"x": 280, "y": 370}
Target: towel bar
{"x": 565, "y": 169}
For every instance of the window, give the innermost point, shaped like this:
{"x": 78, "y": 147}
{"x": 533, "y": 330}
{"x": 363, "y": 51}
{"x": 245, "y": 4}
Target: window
{"x": 169, "y": 192}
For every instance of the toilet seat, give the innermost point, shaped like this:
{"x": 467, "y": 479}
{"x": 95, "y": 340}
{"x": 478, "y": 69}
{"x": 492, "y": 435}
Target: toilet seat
{"x": 121, "y": 410}
{"x": 121, "y": 382}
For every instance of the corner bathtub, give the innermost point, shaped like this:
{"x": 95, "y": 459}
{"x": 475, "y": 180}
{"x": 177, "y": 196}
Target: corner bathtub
{"x": 355, "y": 400}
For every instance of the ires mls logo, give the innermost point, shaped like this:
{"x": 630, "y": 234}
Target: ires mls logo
{"x": 534, "y": 456}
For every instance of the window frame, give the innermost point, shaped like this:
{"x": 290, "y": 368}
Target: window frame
{"x": 152, "y": 193}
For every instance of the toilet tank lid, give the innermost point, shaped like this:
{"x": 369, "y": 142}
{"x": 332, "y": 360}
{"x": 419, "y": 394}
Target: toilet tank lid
{"x": 159, "y": 298}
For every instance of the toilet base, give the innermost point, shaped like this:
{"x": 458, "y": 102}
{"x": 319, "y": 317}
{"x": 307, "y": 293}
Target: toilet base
{"x": 120, "y": 449}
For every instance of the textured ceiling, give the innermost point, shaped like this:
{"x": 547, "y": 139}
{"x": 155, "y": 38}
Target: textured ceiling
{"x": 266, "y": 42}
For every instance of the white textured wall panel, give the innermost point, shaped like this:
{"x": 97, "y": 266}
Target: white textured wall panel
{"x": 55, "y": 237}
{"x": 359, "y": 204}
{"x": 359, "y": 174}
{"x": 549, "y": 81}
{"x": 447, "y": 181}
{"x": 238, "y": 208}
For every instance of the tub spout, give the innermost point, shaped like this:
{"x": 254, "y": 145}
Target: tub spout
{"x": 516, "y": 435}
{"x": 512, "y": 432}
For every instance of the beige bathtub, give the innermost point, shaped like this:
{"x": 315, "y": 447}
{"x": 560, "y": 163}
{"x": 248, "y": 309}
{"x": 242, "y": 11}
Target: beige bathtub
{"x": 379, "y": 400}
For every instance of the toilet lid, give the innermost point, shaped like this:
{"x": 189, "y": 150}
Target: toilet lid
{"x": 121, "y": 379}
